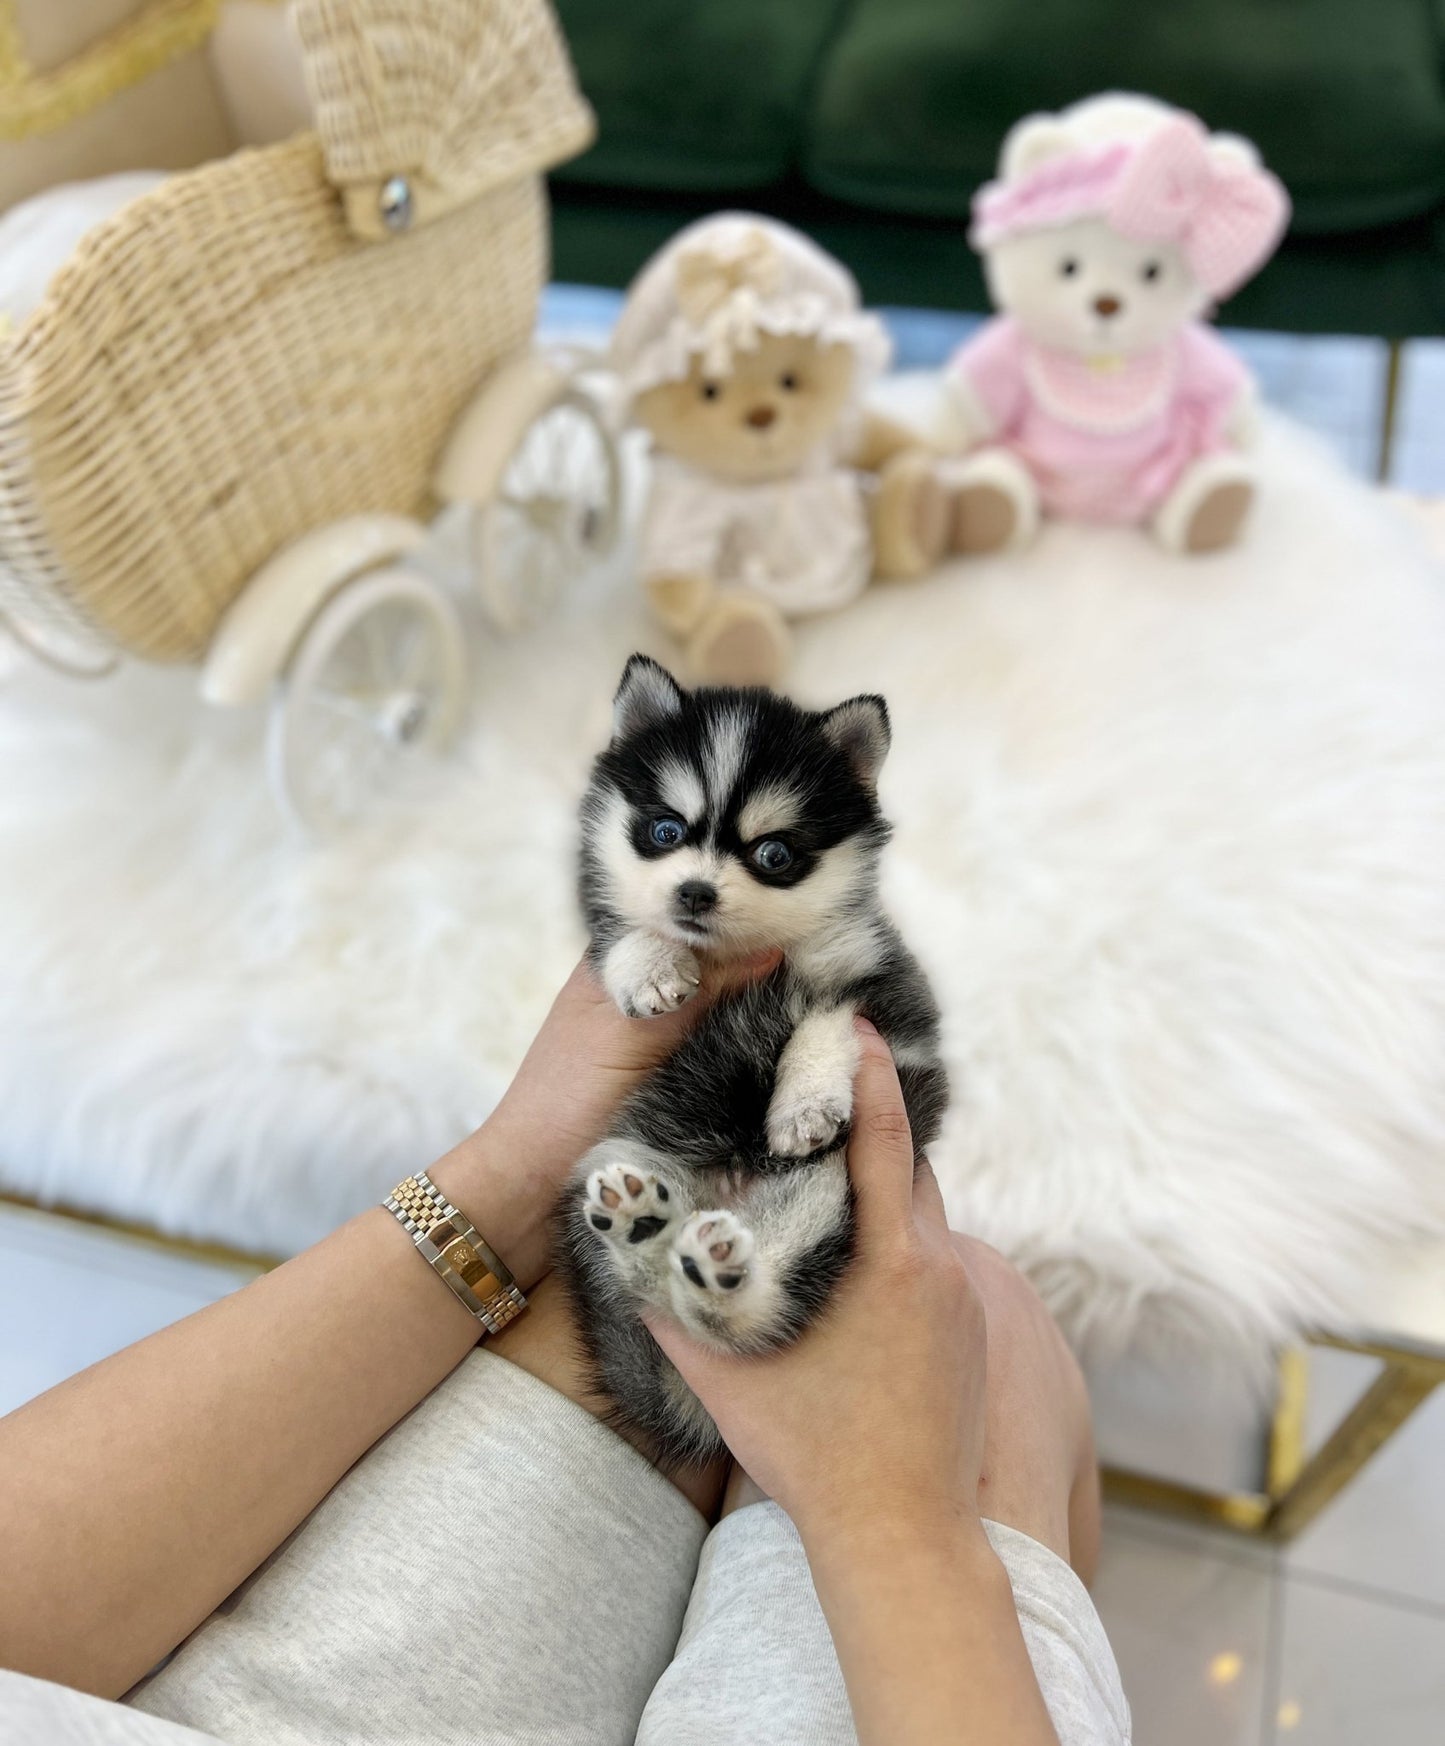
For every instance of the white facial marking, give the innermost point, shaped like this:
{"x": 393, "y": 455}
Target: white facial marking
{"x": 641, "y": 889}
{"x": 751, "y": 915}
{"x": 727, "y": 747}
{"x": 682, "y": 790}
{"x": 810, "y": 918}
{"x": 772, "y": 809}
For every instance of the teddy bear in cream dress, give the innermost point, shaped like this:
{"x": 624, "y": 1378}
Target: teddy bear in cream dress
{"x": 744, "y": 352}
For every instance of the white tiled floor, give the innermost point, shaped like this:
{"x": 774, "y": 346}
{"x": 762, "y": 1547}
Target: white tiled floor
{"x": 71, "y": 1294}
{"x": 1338, "y": 1640}
{"x": 1191, "y": 1627}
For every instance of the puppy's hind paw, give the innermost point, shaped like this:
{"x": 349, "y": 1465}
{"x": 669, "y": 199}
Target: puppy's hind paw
{"x": 797, "y": 1130}
{"x": 627, "y": 1205}
{"x": 713, "y": 1251}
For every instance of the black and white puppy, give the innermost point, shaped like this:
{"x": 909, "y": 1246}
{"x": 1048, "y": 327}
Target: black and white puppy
{"x": 720, "y": 823}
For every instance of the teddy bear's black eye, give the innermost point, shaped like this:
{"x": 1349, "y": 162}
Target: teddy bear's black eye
{"x": 788, "y": 380}
{"x": 1150, "y": 271}
{"x": 1068, "y": 267}
{"x": 710, "y": 390}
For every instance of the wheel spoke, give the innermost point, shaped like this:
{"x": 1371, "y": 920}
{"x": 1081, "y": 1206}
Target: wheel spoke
{"x": 411, "y": 654}
{"x": 344, "y": 703}
{"x": 554, "y": 511}
{"x": 377, "y": 654}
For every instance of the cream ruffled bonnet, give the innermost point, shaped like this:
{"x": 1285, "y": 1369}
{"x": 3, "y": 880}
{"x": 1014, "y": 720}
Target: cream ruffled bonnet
{"x": 719, "y": 284}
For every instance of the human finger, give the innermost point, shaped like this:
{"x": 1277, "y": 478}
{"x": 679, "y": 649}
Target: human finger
{"x": 727, "y": 978}
{"x": 698, "y": 1365}
{"x": 929, "y": 1212}
{"x": 880, "y": 1152}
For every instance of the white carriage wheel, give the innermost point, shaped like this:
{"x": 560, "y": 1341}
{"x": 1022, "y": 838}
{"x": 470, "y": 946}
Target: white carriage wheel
{"x": 556, "y": 510}
{"x": 377, "y": 681}
{"x": 75, "y": 656}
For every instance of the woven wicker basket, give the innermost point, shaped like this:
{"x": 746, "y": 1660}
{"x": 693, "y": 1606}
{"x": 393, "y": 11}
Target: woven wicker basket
{"x": 229, "y": 362}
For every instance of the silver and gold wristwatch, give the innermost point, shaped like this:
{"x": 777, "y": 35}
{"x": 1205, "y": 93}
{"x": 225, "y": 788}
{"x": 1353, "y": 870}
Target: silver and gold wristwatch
{"x": 452, "y": 1244}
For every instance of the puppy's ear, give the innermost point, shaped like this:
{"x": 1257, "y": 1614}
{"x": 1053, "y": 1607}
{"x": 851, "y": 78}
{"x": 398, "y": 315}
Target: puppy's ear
{"x": 859, "y": 729}
{"x": 647, "y": 695}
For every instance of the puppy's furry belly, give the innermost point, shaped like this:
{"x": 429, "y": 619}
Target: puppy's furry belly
{"x": 707, "y": 1105}
{"x": 693, "y": 1140}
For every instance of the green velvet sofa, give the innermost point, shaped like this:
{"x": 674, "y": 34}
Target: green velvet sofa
{"x": 871, "y": 122}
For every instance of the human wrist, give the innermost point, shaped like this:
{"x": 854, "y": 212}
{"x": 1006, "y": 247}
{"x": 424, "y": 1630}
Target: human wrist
{"x": 506, "y": 1194}
{"x": 846, "y": 1543}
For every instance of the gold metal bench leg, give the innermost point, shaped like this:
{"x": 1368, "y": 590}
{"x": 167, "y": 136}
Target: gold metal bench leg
{"x": 1297, "y": 1487}
{"x": 1401, "y": 1386}
{"x": 1389, "y": 408}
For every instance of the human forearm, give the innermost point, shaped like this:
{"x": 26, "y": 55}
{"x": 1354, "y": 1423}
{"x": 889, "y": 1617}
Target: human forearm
{"x": 927, "y": 1636}
{"x": 137, "y": 1495}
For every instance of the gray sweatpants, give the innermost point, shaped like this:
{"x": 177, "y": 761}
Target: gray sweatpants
{"x": 502, "y": 1570}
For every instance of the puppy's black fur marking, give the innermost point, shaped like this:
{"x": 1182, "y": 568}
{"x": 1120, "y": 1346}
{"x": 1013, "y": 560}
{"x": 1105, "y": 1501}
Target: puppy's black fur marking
{"x": 727, "y": 763}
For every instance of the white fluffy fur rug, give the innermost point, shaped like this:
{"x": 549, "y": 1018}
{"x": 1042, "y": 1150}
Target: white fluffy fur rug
{"x": 1171, "y": 838}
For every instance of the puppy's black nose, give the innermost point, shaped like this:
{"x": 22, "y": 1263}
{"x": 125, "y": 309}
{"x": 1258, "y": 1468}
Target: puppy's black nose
{"x": 696, "y": 896}
{"x": 1108, "y": 305}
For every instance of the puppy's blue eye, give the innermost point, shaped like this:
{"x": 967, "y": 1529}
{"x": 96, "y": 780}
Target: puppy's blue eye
{"x": 667, "y": 833}
{"x": 772, "y": 855}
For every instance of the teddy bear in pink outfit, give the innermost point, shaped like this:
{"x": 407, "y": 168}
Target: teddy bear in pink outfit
{"x": 1098, "y": 393}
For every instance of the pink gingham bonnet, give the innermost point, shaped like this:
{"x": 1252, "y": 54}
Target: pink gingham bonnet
{"x": 1225, "y": 213}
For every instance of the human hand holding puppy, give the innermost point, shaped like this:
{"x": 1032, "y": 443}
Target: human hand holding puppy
{"x": 583, "y": 1063}
{"x": 871, "y": 1432}
{"x": 882, "y": 1399}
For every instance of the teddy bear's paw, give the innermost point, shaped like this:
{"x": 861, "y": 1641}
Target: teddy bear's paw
{"x": 680, "y": 598}
{"x": 984, "y": 519}
{"x": 1207, "y": 508}
{"x": 743, "y": 640}
{"x": 995, "y": 504}
{"x": 1218, "y": 519}
{"x": 911, "y": 515}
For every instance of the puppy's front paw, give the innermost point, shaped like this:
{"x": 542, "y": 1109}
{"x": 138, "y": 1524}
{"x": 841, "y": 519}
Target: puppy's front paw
{"x": 713, "y": 1250}
{"x": 648, "y": 976}
{"x": 670, "y": 987}
{"x": 626, "y": 1205}
{"x": 800, "y": 1126}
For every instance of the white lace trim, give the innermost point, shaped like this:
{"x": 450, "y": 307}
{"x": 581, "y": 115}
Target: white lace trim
{"x": 737, "y": 327}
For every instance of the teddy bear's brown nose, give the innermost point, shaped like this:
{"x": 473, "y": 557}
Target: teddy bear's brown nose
{"x": 1107, "y": 305}
{"x": 762, "y": 416}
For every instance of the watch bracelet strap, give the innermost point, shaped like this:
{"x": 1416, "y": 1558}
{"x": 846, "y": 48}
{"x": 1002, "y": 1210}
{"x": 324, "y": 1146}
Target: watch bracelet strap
{"x": 447, "y": 1239}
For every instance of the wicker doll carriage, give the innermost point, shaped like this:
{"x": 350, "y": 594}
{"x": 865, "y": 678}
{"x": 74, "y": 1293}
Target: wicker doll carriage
{"x": 223, "y": 424}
